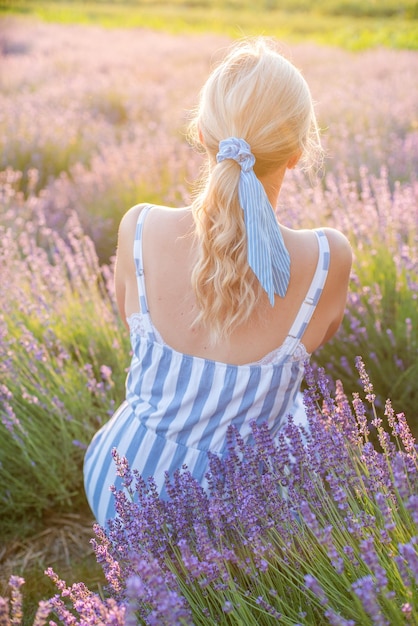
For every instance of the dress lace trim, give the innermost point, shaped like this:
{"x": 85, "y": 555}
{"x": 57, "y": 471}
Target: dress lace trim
{"x": 137, "y": 326}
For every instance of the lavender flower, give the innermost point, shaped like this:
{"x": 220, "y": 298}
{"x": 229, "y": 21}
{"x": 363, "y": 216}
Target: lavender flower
{"x": 246, "y": 548}
{"x": 409, "y": 553}
{"x": 15, "y": 583}
{"x": 245, "y": 528}
{"x": 337, "y": 620}
{"x": 4, "y": 612}
{"x": 313, "y": 585}
{"x": 150, "y": 588}
{"x": 371, "y": 559}
{"x": 43, "y": 611}
{"x": 268, "y": 608}
{"x": 364, "y": 377}
{"x": 365, "y": 589}
{"x": 89, "y": 607}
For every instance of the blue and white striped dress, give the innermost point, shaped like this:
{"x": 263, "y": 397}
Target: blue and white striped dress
{"x": 179, "y": 406}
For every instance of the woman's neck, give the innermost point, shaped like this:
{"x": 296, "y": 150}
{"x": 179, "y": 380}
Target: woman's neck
{"x": 272, "y": 184}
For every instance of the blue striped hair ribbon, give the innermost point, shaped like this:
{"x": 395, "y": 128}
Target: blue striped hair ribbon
{"x": 267, "y": 254}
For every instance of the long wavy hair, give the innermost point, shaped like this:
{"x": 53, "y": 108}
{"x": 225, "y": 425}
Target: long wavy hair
{"x": 255, "y": 94}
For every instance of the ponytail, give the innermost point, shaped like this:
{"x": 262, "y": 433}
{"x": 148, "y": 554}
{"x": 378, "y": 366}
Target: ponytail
{"x": 225, "y": 287}
{"x": 258, "y": 95}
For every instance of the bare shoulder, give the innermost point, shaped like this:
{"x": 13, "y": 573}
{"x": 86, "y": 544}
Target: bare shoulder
{"x": 126, "y": 238}
{"x": 340, "y": 247}
{"x": 127, "y": 230}
{"x": 333, "y": 300}
{"x": 340, "y": 262}
{"x": 130, "y": 218}
{"x": 125, "y": 265}
{"x": 163, "y": 216}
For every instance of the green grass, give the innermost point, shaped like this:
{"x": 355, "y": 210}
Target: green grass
{"x": 385, "y": 317}
{"x": 62, "y": 543}
{"x": 351, "y": 24}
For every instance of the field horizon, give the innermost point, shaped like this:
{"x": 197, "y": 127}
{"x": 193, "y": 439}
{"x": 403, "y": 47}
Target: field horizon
{"x": 353, "y": 25}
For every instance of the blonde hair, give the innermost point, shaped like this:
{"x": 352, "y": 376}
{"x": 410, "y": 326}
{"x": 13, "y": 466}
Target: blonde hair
{"x": 255, "y": 94}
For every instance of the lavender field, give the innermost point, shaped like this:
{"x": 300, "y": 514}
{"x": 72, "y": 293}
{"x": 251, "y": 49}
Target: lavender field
{"x": 92, "y": 121}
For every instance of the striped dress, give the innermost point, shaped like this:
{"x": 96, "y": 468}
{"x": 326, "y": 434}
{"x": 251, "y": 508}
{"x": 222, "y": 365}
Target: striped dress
{"x": 178, "y": 406}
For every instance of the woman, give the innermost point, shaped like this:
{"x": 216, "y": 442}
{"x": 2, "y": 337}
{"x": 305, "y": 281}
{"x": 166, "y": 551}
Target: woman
{"x": 223, "y": 303}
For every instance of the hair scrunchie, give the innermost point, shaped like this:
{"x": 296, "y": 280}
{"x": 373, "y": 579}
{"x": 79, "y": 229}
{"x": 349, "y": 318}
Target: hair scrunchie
{"x": 267, "y": 254}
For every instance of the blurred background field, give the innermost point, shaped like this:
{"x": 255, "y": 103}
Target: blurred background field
{"x": 94, "y": 102}
{"x": 355, "y": 24}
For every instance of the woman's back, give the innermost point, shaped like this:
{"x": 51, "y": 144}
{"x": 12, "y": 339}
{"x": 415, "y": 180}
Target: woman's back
{"x": 168, "y": 249}
{"x": 179, "y": 405}
{"x": 224, "y": 304}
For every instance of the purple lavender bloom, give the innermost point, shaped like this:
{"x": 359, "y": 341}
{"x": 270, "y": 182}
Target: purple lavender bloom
{"x": 313, "y": 585}
{"x": 412, "y": 506}
{"x": 386, "y": 504}
{"x": 149, "y": 588}
{"x": 409, "y": 553}
{"x": 360, "y": 412}
{"x": 268, "y": 608}
{"x": 371, "y": 559}
{"x": 228, "y": 607}
{"x": 43, "y": 611}
{"x": 4, "y": 612}
{"x": 337, "y": 620}
{"x": 364, "y": 377}
{"x": 407, "y": 611}
{"x": 403, "y": 472}
{"x": 365, "y": 589}
{"x": 379, "y": 474}
{"x": 246, "y": 525}
{"x": 15, "y": 583}
{"x": 402, "y": 430}
{"x": 91, "y": 609}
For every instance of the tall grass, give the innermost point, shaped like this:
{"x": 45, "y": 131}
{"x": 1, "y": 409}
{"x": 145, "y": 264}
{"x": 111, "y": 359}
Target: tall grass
{"x": 63, "y": 355}
{"x": 381, "y": 319}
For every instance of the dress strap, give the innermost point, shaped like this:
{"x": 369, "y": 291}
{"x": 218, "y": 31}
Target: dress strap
{"x": 314, "y": 292}
{"x": 139, "y": 270}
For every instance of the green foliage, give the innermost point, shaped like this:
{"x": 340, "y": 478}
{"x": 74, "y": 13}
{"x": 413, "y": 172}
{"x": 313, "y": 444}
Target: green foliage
{"x": 353, "y": 8}
{"x": 51, "y": 157}
{"x": 63, "y": 358}
{"x": 102, "y": 212}
{"x": 381, "y": 324}
{"x": 63, "y": 542}
{"x": 353, "y": 24}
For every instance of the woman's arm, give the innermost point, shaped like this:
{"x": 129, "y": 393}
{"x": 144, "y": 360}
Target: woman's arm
{"x": 125, "y": 264}
{"x": 341, "y": 258}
